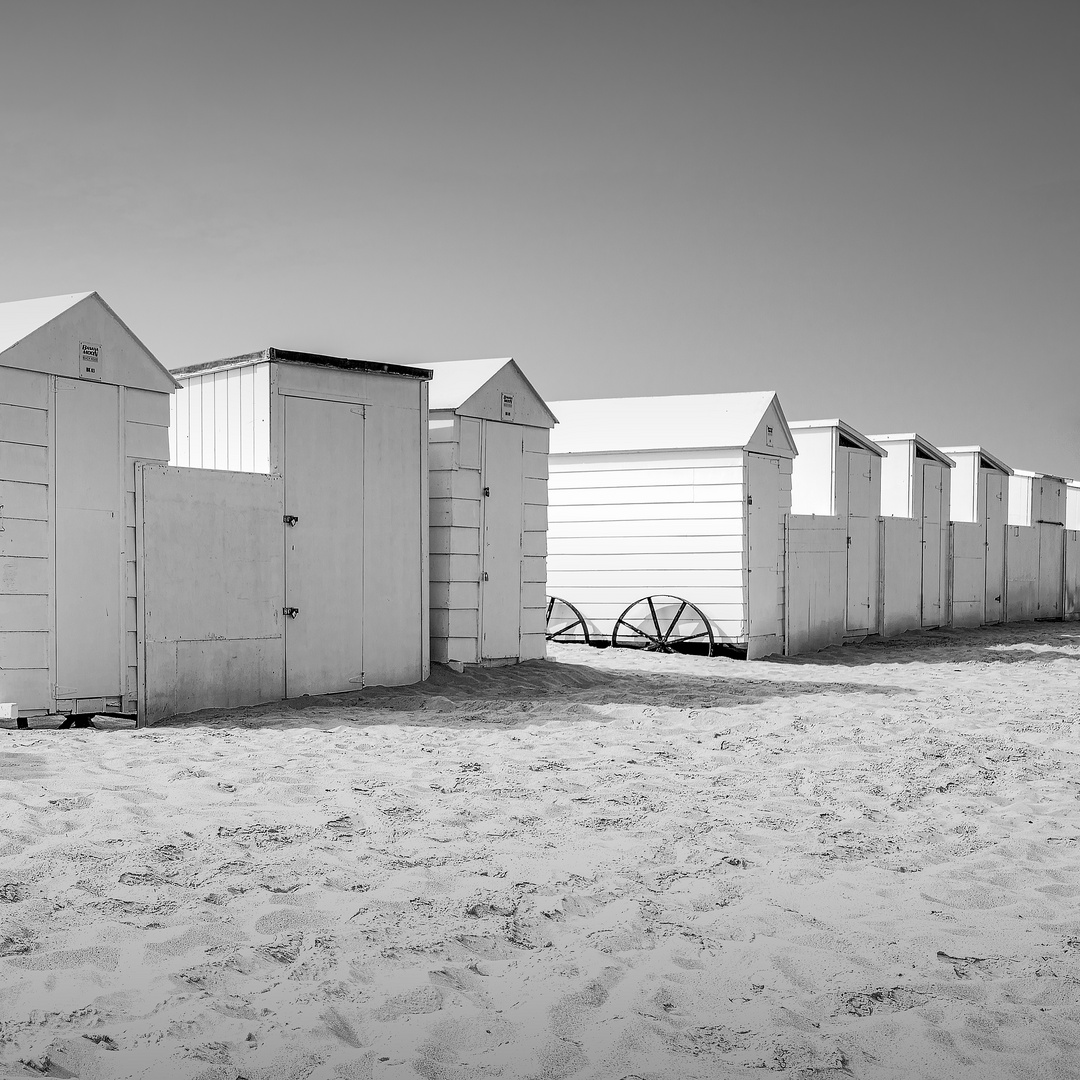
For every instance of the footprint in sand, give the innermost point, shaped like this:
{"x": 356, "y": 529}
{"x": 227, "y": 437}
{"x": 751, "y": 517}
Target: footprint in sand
{"x": 424, "y": 999}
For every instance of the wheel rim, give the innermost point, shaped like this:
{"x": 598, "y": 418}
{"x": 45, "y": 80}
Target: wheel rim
{"x": 667, "y": 624}
{"x": 565, "y": 622}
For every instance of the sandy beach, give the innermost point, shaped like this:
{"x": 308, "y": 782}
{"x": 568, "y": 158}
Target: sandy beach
{"x": 607, "y": 865}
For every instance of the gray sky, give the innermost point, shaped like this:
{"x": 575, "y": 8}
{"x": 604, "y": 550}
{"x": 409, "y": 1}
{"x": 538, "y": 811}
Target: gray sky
{"x": 871, "y": 208}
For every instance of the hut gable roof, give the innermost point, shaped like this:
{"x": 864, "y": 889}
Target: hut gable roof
{"x": 674, "y": 422}
{"x": 844, "y": 430}
{"x": 986, "y": 459}
{"x": 476, "y": 388}
{"x": 923, "y": 447}
{"x": 44, "y": 334}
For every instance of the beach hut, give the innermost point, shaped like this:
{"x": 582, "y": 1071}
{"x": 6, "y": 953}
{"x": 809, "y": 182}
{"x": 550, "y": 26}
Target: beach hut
{"x": 915, "y": 505}
{"x": 979, "y": 511}
{"x": 81, "y": 398}
{"x": 348, "y": 441}
{"x": 1035, "y": 546}
{"x": 489, "y": 433}
{"x": 666, "y": 521}
{"x": 838, "y": 474}
{"x": 1072, "y": 549}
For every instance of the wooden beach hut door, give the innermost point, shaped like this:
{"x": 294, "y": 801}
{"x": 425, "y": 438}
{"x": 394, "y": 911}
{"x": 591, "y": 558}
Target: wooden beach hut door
{"x": 861, "y": 532}
{"x": 324, "y": 546}
{"x": 931, "y": 546}
{"x": 763, "y": 545}
{"x": 89, "y": 540}
{"x": 501, "y": 500}
{"x": 994, "y": 518}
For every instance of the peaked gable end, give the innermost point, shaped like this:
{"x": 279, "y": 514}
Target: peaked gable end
{"x": 87, "y": 340}
{"x": 508, "y": 396}
{"x": 772, "y": 435}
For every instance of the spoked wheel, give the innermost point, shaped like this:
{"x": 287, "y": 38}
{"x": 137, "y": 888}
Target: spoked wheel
{"x": 665, "y": 624}
{"x": 565, "y": 622}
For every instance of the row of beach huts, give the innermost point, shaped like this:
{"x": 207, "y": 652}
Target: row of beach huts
{"x": 283, "y": 524}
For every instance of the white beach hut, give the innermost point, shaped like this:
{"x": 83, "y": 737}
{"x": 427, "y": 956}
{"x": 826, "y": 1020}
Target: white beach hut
{"x": 488, "y": 460}
{"x": 81, "y": 398}
{"x": 838, "y": 474}
{"x": 1035, "y": 546}
{"x": 979, "y": 512}
{"x": 666, "y": 519}
{"x": 1072, "y": 549}
{"x": 915, "y": 505}
{"x": 345, "y": 529}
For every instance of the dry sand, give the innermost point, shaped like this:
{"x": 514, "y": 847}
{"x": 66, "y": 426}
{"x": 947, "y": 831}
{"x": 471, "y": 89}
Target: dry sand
{"x": 606, "y": 865}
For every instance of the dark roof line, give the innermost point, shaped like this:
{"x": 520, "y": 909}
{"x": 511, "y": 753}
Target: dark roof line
{"x": 317, "y": 359}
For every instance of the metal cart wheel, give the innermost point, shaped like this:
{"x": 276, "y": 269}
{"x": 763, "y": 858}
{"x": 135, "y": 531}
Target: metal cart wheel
{"x": 565, "y": 622}
{"x": 665, "y": 624}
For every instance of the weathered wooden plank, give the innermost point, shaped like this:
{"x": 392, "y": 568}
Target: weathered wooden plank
{"x": 29, "y": 389}
{"x": 21, "y": 500}
{"x": 24, "y": 612}
{"x": 22, "y": 537}
{"x": 27, "y": 687}
{"x": 23, "y": 649}
{"x": 24, "y": 463}
{"x": 146, "y": 407}
{"x": 19, "y": 424}
{"x": 25, "y": 575}
{"x": 147, "y": 442}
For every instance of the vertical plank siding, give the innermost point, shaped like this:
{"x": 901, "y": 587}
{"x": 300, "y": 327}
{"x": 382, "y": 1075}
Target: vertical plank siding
{"x": 221, "y": 420}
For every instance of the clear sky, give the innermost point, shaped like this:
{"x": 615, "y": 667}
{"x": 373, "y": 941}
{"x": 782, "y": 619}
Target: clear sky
{"x": 871, "y": 208}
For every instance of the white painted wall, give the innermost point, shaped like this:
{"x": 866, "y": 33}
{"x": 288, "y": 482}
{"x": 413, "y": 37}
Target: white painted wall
{"x": 234, "y": 418}
{"x": 37, "y": 549}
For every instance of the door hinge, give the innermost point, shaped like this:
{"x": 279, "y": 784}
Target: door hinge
{"x": 290, "y": 519}
{"x": 290, "y": 612}
{"x": 849, "y": 541}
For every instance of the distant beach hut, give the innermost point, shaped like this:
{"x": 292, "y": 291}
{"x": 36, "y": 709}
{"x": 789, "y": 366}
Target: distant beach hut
{"x": 347, "y": 441}
{"x": 979, "y": 514}
{"x": 81, "y": 398}
{"x": 1072, "y": 549}
{"x": 838, "y": 474}
{"x": 666, "y": 523}
{"x": 488, "y": 459}
{"x": 1035, "y": 546}
{"x": 915, "y": 504}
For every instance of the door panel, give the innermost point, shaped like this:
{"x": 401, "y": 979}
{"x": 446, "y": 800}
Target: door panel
{"x": 931, "y": 546}
{"x": 860, "y": 534}
{"x": 89, "y": 539}
{"x": 994, "y": 488}
{"x": 324, "y": 549}
{"x": 500, "y": 587}
{"x": 763, "y": 541}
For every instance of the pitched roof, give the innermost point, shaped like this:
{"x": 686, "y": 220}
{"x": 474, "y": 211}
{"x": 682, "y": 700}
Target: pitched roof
{"x": 845, "y": 429}
{"x": 986, "y": 459}
{"x": 455, "y": 381}
{"x": 20, "y": 318}
{"x": 927, "y": 447}
{"x": 669, "y": 422}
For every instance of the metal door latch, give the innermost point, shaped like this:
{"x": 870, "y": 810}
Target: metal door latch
{"x": 487, "y": 492}
{"x": 290, "y": 519}
{"x": 290, "y": 612}
{"x": 484, "y": 576}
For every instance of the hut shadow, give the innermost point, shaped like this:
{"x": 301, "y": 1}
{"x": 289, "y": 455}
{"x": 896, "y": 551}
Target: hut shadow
{"x": 1012, "y": 643}
{"x": 536, "y": 691}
